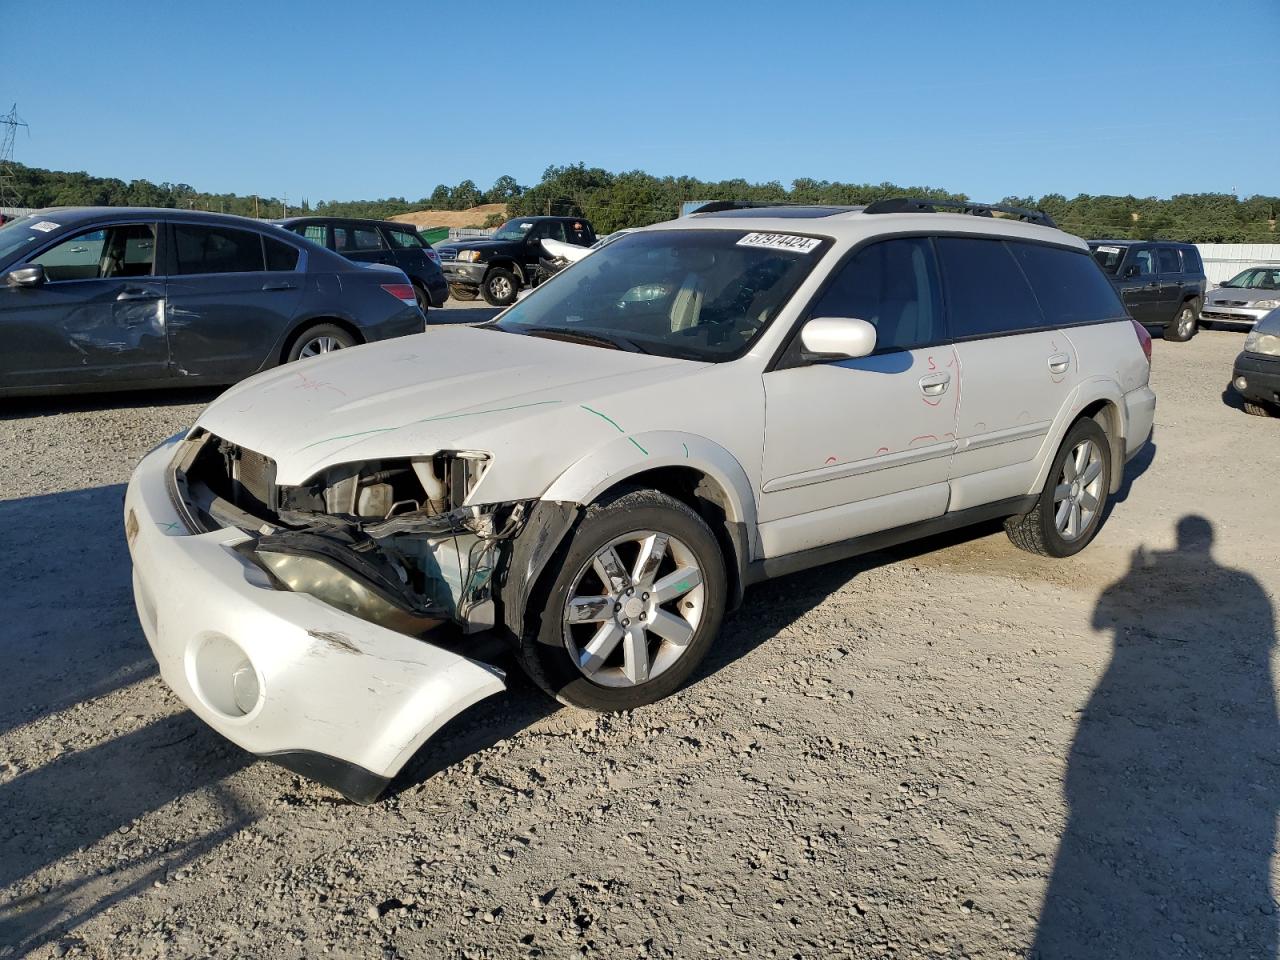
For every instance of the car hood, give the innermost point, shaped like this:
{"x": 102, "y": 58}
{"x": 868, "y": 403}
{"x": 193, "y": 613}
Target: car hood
{"x": 1242, "y": 294}
{"x": 527, "y": 400}
{"x": 477, "y": 244}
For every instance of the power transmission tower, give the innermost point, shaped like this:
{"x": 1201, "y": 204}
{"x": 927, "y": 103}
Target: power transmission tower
{"x": 9, "y": 124}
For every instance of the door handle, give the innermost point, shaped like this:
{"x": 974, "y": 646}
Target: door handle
{"x": 138, "y": 293}
{"x": 280, "y": 285}
{"x": 935, "y": 384}
{"x": 1059, "y": 363}
{"x": 1154, "y": 283}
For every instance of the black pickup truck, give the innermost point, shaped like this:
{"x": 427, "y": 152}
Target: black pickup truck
{"x": 498, "y": 266}
{"x": 1162, "y": 283}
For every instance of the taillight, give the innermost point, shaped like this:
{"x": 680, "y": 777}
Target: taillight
{"x": 401, "y": 291}
{"x": 1144, "y": 338}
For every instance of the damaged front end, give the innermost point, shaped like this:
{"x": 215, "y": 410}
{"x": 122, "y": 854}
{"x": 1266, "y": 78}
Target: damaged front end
{"x": 392, "y": 542}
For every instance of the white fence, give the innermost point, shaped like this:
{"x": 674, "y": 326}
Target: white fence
{"x": 1222, "y": 261}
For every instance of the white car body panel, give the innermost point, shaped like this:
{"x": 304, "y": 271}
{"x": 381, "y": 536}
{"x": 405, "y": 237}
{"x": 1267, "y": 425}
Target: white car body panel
{"x": 804, "y": 457}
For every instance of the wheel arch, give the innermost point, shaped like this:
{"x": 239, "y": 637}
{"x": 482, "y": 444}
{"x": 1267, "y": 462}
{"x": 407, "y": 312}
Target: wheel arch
{"x": 1100, "y": 400}
{"x": 300, "y": 327}
{"x": 507, "y": 264}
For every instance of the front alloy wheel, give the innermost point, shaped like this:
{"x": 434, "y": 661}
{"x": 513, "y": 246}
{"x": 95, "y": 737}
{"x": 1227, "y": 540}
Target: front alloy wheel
{"x": 626, "y": 623}
{"x": 630, "y": 607}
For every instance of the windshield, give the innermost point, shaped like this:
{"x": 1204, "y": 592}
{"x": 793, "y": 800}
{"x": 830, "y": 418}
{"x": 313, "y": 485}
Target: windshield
{"x": 1108, "y": 257}
{"x": 1256, "y": 278}
{"x": 17, "y": 234}
{"x": 513, "y": 230}
{"x": 695, "y": 294}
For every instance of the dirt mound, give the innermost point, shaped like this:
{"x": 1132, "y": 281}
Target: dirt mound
{"x": 474, "y": 217}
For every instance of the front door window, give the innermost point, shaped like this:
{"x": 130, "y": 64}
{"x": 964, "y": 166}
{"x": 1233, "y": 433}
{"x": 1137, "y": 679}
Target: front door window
{"x": 126, "y": 250}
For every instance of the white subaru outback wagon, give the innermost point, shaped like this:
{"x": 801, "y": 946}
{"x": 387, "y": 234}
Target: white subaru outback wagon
{"x": 600, "y": 471}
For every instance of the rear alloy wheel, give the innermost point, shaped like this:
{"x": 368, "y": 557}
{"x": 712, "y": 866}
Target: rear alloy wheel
{"x": 634, "y": 607}
{"x": 1184, "y": 325}
{"x": 1071, "y": 507}
{"x": 500, "y": 287}
{"x": 320, "y": 339}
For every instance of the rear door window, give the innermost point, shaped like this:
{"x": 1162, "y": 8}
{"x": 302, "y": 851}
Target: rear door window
{"x": 315, "y": 232}
{"x": 201, "y": 249}
{"x": 1168, "y": 260}
{"x": 349, "y": 238}
{"x": 986, "y": 291}
{"x": 1069, "y": 286}
{"x": 280, "y": 255}
{"x": 894, "y": 286}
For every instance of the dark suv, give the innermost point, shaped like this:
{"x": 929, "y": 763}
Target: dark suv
{"x": 380, "y": 241}
{"x": 1161, "y": 283}
{"x": 498, "y": 266}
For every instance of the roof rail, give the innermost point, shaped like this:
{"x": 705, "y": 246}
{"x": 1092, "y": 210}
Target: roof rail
{"x": 922, "y": 205}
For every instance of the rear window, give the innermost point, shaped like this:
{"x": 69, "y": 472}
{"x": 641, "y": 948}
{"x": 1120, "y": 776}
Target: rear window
{"x": 1168, "y": 259}
{"x": 216, "y": 249}
{"x": 405, "y": 238}
{"x": 1070, "y": 287}
{"x": 986, "y": 291}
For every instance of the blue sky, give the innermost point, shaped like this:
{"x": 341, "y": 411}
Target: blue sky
{"x": 355, "y": 101}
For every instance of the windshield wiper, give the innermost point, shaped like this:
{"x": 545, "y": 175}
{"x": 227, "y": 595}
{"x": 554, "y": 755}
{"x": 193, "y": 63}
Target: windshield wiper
{"x": 567, "y": 333}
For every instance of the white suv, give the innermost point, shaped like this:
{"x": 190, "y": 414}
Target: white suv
{"x": 602, "y": 470}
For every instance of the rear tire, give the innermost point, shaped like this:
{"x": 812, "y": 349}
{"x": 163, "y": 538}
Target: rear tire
{"x": 459, "y": 292}
{"x": 582, "y": 644}
{"x": 320, "y": 339}
{"x": 424, "y": 302}
{"x": 1070, "y": 509}
{"x": 1183, "y": 326}
{"x": 1258, "y": 409}
{"x": 500, "y": 287}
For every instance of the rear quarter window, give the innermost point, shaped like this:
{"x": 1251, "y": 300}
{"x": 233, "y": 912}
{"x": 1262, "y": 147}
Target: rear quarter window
{"x": 986, "y": 291}
{"x": 1070, "y": 286}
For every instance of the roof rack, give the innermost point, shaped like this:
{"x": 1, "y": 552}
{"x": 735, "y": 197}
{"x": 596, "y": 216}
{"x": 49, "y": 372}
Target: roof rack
{"x": 718, "y": 206}
{"x": 922, "y": 205}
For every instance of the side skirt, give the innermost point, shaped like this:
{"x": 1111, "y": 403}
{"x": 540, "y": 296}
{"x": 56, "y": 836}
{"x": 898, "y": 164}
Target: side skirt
{"x": 770, "y": 567}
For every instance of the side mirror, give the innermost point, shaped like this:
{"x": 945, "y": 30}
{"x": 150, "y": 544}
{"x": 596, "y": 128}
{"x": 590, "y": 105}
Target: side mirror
{"x": 25, "y": 275}
{"x": 846, "y": 337}
{"x": 1131, "y": 271}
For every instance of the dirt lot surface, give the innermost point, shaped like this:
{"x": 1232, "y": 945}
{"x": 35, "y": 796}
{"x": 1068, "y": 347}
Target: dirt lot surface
{"x": 953, "y": 749}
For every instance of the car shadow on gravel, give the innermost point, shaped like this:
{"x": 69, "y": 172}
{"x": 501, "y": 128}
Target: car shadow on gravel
{"x": 70, "y": 631}
{"x": 1173, "y": 779}
{"x": 71, "y": 636}
{"x": 19, "y": 408}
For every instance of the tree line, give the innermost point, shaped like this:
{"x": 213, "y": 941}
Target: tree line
{"x": 634, "y": 198}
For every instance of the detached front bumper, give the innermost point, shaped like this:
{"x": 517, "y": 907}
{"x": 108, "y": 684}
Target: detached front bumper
{"x": 282, "y": 674}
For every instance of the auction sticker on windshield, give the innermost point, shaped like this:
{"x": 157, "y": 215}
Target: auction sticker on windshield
{"x": 780, "y": 241}
{"x": 44, "y": 226}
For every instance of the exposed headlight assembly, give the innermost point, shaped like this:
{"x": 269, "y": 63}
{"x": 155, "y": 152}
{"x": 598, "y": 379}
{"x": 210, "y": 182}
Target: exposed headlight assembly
{"x": 1259, "y": 342}
{"x": 469, "y": 256}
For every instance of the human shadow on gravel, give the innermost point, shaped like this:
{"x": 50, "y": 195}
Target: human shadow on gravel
{"x": 1173, "y": 780}
{"x": 70, "y": 632}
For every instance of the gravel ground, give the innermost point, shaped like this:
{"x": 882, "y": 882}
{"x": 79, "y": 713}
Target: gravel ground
{"x": 947, "y": 750}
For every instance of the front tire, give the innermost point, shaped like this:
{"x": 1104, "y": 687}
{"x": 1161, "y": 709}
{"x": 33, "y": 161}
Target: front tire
{"x": 636, "y": 603}
{"x": 322, "y": 338}
{"x": 1257, "y": 409}
{"x": 1070, "y": 509}
{"x": 1184, "y": 325}
{"x": 500, "y": 287}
